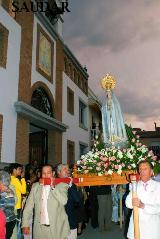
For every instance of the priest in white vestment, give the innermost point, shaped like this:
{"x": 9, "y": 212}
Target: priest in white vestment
{"x": 148, "y": 202}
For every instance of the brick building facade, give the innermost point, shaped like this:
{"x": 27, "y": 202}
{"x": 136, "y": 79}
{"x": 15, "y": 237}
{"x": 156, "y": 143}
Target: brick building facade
{"x": 43, "y": 93}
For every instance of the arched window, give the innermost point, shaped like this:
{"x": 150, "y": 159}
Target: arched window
{"x": 41, "y": 101}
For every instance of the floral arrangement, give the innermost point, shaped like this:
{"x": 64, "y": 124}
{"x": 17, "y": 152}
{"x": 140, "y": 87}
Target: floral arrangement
{"x": 106, "y": 161}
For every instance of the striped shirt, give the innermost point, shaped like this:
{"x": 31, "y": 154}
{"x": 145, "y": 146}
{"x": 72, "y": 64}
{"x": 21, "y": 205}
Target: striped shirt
{"x": 7, "y": 203}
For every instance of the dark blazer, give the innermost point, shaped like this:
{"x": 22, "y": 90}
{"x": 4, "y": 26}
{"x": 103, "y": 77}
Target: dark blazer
{"x": 73, "y": 202}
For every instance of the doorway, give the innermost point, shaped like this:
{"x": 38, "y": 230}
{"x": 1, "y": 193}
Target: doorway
{"x": 38, "y": 145}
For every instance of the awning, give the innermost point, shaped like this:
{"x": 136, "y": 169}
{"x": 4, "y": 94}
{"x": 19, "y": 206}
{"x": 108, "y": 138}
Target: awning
{"x": 38, "y": 118}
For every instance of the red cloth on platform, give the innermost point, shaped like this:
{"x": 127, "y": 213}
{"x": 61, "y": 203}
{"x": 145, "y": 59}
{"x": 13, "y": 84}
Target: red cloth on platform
{"x": 2, "y": 225}
{"x": 47, "y": 181}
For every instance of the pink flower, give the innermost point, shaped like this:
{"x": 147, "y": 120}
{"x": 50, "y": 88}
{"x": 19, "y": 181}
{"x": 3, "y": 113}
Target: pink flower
{"x": 106, "y": 165}
{"x": 98, "y": 168}
{"x": 129, "y": 167}
{"x": 99, "y": 164}
{"x": 112, "y": 158}
{"x": 154, "y": 158}
{"x": 116, "y": 166}
{"x": 89, "y": 168}
{"x": 104, "y": 159}
{"x": 151, "y": 153}
{"x": 86, "y": 171}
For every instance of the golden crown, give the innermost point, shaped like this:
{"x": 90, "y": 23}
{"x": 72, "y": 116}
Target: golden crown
{"x": 108, "y": 82}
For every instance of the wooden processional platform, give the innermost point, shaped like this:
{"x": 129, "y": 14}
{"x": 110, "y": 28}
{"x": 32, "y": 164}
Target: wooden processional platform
{"x": 95, "y": 180}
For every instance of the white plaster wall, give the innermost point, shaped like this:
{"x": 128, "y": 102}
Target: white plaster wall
{"x": 74, "y": 132}
{"x": 36, "y": 76}
{"x": 9, "y": 78}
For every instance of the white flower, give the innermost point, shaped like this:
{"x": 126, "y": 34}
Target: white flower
{"x": 100, "y": 174}
{"x": 120, "y": 155}
{"x": 120, "y": 167}
{"x": 144, "y": 150}
{"x": 119, "y": 171}
{"x": 78, "y": 162}
{"x": 97, "y": 153}
{"x": 110, "y": 172}
{"x": 129, "y": 155}
{"x": 133, "y": 165}
{"x": 96, "y": 136}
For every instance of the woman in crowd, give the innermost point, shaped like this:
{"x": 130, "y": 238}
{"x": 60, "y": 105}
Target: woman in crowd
{"x": 7, "y": 202}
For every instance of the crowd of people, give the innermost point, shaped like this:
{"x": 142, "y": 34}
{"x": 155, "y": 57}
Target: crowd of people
{"x": 33, "y": 207}
{"x": 26, "y": 203}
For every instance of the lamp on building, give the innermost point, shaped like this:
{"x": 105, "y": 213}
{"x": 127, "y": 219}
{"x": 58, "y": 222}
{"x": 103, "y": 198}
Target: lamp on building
{"x": 54, "y": 11}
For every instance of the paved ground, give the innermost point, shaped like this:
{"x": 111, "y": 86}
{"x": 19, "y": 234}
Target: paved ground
{"x": 90, "y": 233}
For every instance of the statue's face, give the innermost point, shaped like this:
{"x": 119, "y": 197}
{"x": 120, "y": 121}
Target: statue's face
{"x": 145, "y": 172}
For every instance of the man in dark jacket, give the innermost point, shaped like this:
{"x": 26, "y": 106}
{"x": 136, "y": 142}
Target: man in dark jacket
{"x": 74, "y": 200}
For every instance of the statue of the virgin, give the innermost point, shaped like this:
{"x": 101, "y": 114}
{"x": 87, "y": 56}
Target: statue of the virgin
{"x": 114, "y": 132}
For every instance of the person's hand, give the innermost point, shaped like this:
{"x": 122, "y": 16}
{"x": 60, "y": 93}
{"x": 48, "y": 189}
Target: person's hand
{"x": 71, "y": 182}
{"x": 26, "y": 230}
{"x": 3, "y": 188}
{"x": 22, "y": 174}
{"x": 137, "y": 202}
{"x": 41, "y": 181}
{"x": 52, "y": 182}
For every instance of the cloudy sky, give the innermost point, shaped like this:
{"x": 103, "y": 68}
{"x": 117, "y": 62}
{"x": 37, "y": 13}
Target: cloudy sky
{"x": 120, "y": 37}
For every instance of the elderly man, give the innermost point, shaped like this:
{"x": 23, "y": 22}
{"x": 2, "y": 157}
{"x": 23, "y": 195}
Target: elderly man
{"x": 50, "y": 218}
{"x": 148, "y": 202}
{"x": 74, "y": 201}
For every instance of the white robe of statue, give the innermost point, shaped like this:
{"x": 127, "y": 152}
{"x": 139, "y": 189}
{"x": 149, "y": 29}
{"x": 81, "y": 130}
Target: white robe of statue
{"x": 149, "y": 217}
{"x": 113, "y": 122}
